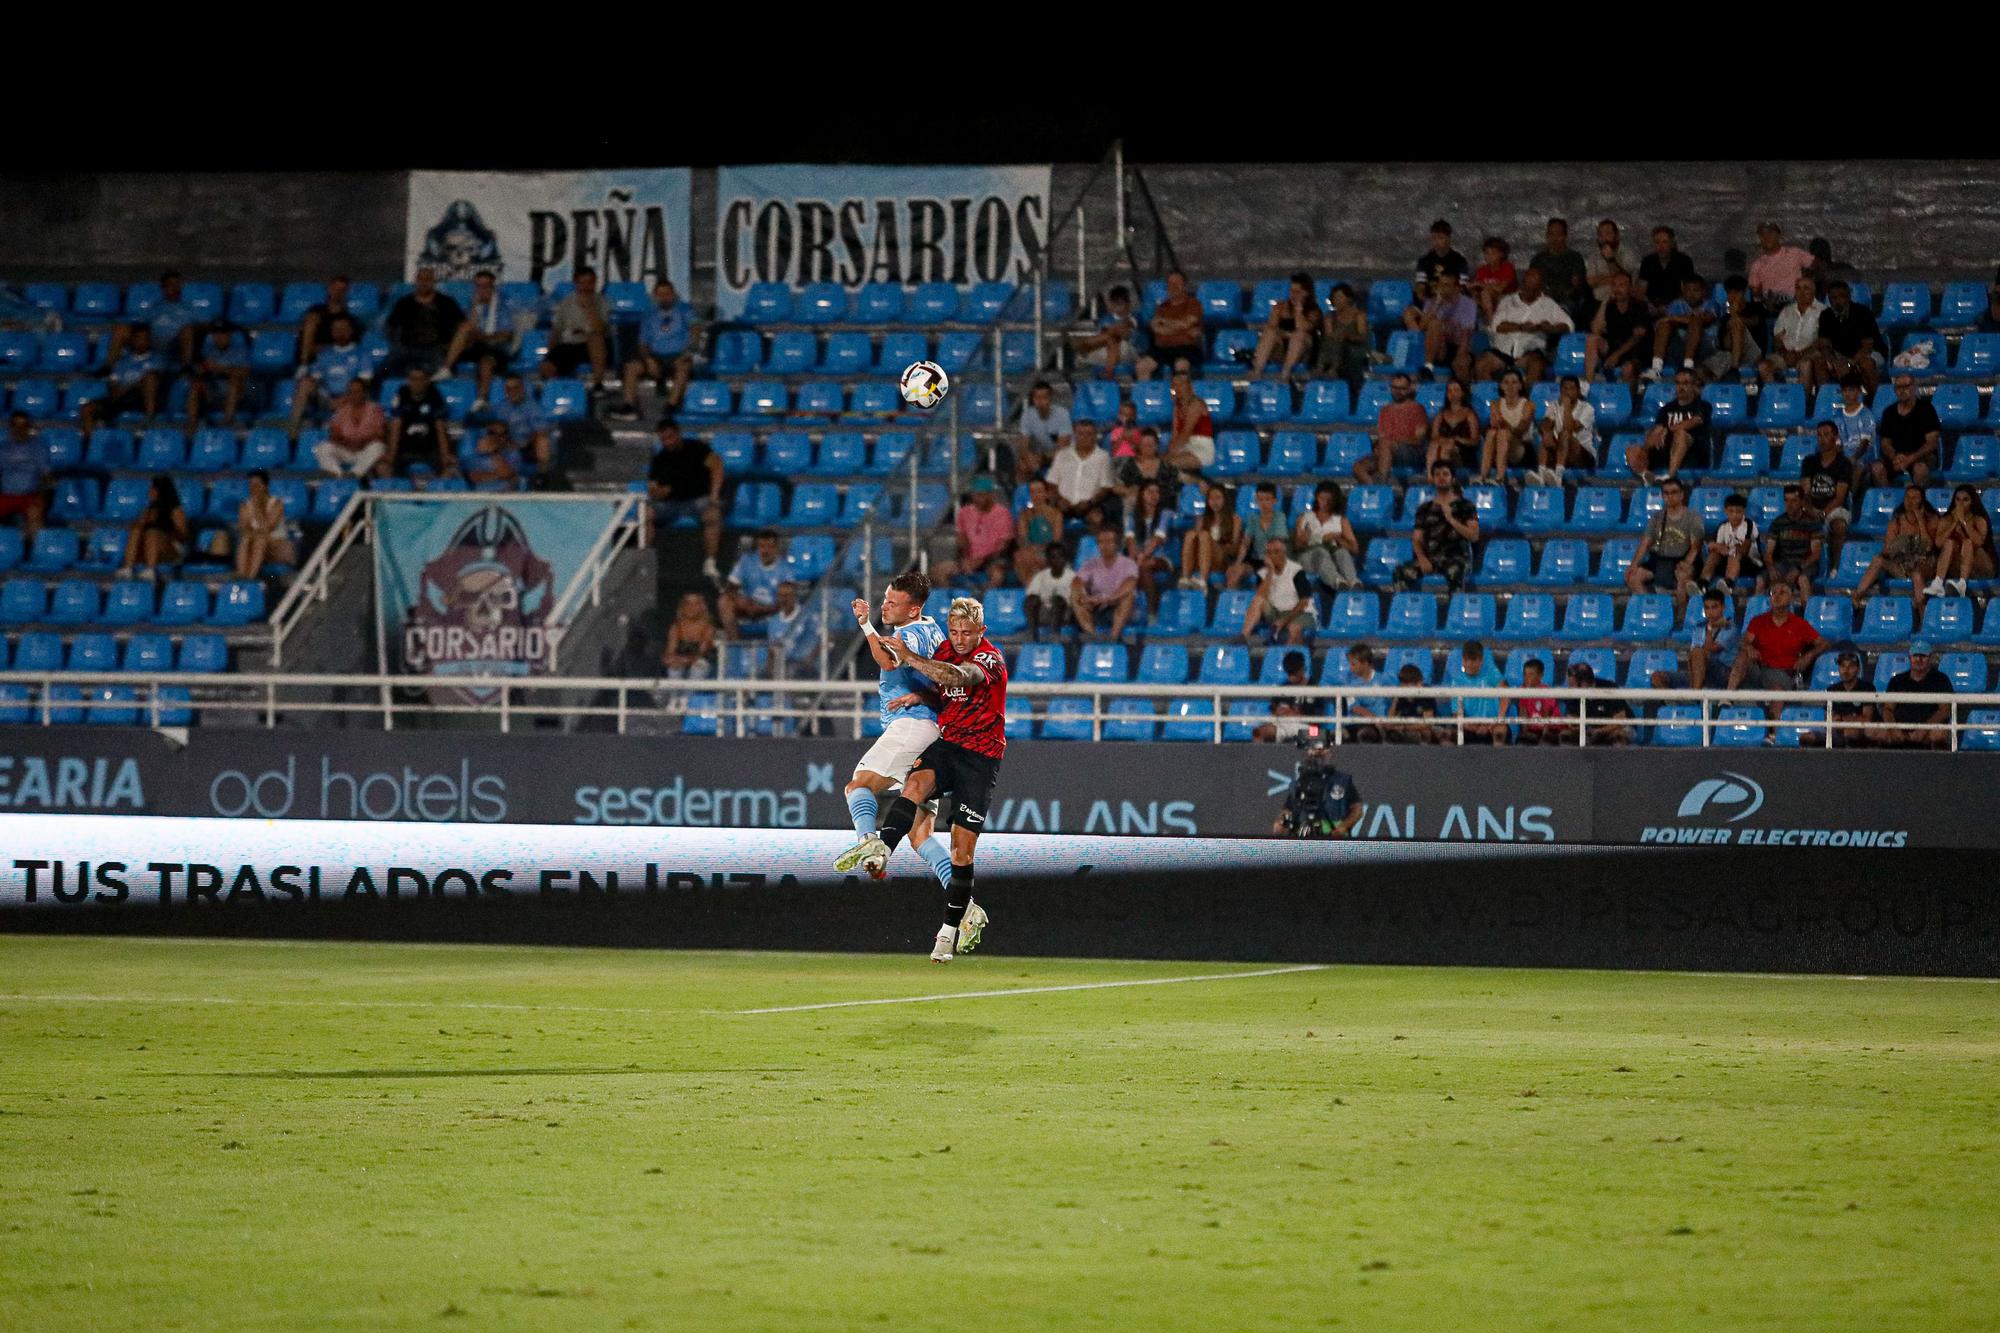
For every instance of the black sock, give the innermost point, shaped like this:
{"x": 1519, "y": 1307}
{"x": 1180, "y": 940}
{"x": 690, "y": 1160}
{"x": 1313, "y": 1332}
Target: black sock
{"x": 896, "y": 823}
{"x": 958, "y": 894}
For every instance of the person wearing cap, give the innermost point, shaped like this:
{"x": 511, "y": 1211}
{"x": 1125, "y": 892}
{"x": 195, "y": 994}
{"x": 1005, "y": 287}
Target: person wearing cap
{"x": 1775, "y": 272}
{"x": 1778, "y": 645}
{"x": 1930, "y": 722}
{"x": 1852, "y": 718}
{"x": 985, "y": 532}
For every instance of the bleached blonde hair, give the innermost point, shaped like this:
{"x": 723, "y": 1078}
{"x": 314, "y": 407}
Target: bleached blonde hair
{"x": 966, "y": 608}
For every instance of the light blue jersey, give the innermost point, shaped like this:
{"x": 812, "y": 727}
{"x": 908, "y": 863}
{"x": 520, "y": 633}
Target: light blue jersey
{"x": 923, "y": 637}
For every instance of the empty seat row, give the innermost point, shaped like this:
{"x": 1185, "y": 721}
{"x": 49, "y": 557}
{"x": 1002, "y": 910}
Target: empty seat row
{"x": 100, "y": 653}
{"x": 26, "y": 600}
{"x": 797, "y": 352}
{"x": 886, "y": 303}
{"x": 713, "y": 400}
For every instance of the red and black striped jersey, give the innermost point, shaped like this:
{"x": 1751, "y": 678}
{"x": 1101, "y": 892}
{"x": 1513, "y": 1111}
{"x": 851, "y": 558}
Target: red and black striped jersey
{"x": 976, "y": 717}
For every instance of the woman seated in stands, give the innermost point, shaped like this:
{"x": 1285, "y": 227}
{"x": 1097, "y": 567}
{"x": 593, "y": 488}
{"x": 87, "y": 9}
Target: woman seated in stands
{"x": 1965, "y": 544}
{"x": 690, "y": 650}
{"x": 1510, "y": 432}
{"x": 1215, "y": 544}
{"x": 260, "y": 529}
{"x": 1293, "y": 324}
{"x": 1455, "y": 433}
{"x": 1148, "y": 534}
{"x": 159, "y": 536}
{"x": 1345, "y": 341}
{"x": 1908, "y": 548}
{"x": 1038, "y": 524}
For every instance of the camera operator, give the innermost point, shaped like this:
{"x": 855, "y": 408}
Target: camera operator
{"x": 1323, "y": 801}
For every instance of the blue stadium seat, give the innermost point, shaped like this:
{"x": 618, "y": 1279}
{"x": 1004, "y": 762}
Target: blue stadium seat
{"x": 1355, "y": 615}
{"x": 737, "y": 449}
{"x": 1038, "y": 663}
{"x": 1221, "y": 301}
{"x": 897, "y": 350}
{"x": 75, "y": 602}
{"x": 1978, "y": 356}
{"x": 1293, "y": 453}
{"x": 808, "y": 556}
{"x": 18, "y": 351}
{"x": 1597, "y": 509}
{"x": 878, "y": 303}
{"x": 1904, "y": 305}
{"x": 1781, "y": 406}
{"x": 148, "y": 652}
{"x": 1797, "y": 449}
{"x": 1645, "y": 661}
{"x": 1707, "y": 502}
{"x": 1405, "y": 353}
{"x": 1236, "y": 454}
{"x": 1188, "y": 721}
{"x": 1925, "y": 345}
{"x": 1153, "y": 402}
{"x": 23, "y": 601}
{"x": 1268, "y": 403}
{"x": 931, "y": 303}
{"x": 129, "y": 602}
{"x": 1731, "y": 404}
{"x": 1961, "y": 305}
{"x": 93, "y": 653}
{"x": 182, "y": 602}
{"x": 239, "y": 602}
{"x": 50, "y": 296}
{"x": 1742, "y": 457}
{"x": 1984, "y": 733}
{"x": 204, "y": 654}
{"x": 37, "y": 398}
{"x": 788, "y": 453}
{"x": 1648, "y": 617}
{"x": 1232, "y": 350}
{"x": 892, "y": 453}
{"x": 737, "y": 352}
{"x": 1225, "y": 664}
{"x": 820, "y": 303}
{"x": 1885, "y": 620}
{"x": 1067, "y": 719}
{"x": 268, "y": 448}
{"x": 1325, "y": 403}
{"x": 215, "y": 449}
{"x": 1570, "y": 350}
{"x": 329, "y": 498}
{"x": 1396, "y": 659}
{"x": 39, "y": 651}
{"x": 1412, "y": 616}
{"x": 1973, "y": 458}
{"x": 1471, "y": 615}
{"x": 298, "y": 298}
{"x": 1182, "y": 611}
{"x": 1530, "y": 616}
{"x": 1506, "y": 560}
{"x": 104, "y": 551}
{"x": 1888, "y": 666}
{"x": 1612, "y": 562}
{"x": 1371, "y": 508}
{"x": 1565, "y": 563}
{"x": 1515, "y": 671}
{"x": 1387, "y": 299}
{"x": 1541, "y": 510}
{"x": 1948, "y": 620}
{"x": 1102, "y": 663}
{"x": 1230, "y": 608}
{"x": 64, "y": 353}
{"x": 1587, "y": 616}
{"x": 857, "y": 502}
{"x": 1375, "y": 395}
{"x": 984, "y": 302}
{"x": 76, "y": 500}
{"x": 1613, "y": 403}
{"x": 793, "y": 352}
{"x": 1833, "y": 617}
{"x": 54, "y": 550}
{"x": 1344, "y": 449}
{"x": 13, "y": 546}
{"x": 871, "y": 398}
{"x": 1677, "y": 726}
{"x": 1967, "y": 671}
{"x": 96, "y": 302}
{"x": 1006, "y": 612}
{"x": 252, "y": 303}
{"x": 1957, "y": 406}
{"x": 1739, "y": 726}
{"x": 1381, "y": 558}
{"x": 124, "y": 499}
{"x": 767, "y": 303}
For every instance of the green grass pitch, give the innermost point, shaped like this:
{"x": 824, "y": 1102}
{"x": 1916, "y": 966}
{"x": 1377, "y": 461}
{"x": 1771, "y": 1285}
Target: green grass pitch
{"x": 209, "y": 1135}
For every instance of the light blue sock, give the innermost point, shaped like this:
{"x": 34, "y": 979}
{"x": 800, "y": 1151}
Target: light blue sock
{"x": 938, "y": 856}
{"x": 862, "y": 807}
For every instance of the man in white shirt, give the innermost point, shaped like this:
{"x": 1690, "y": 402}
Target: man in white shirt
{"x": 1048, "y": 595}
{"x": 1522, "y": 323}
{"x": 1081, "y": 476}
{"x": 1795, "y": 335}
{"x": 1045, "y": 428}
{"x": 1284, "y": 597}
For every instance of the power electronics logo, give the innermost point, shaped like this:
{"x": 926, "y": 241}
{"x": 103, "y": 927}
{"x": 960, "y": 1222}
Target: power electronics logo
{"x": 1715, "y": 811}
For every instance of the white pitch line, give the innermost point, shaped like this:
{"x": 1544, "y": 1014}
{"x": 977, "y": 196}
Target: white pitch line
{"x": 317, "y": 1004}
{"x": 1037, "y": 990}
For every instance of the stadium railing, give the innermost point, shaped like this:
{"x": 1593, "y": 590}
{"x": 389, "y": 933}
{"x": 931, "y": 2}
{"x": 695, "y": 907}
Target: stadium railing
{"x": 772, "y": 706}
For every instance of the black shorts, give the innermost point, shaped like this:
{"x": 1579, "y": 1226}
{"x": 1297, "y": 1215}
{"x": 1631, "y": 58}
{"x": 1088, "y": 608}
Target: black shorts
{"x": 1665, "y": 570}
{"x": 569, "y": 356}
{"x": 967, "y": 776}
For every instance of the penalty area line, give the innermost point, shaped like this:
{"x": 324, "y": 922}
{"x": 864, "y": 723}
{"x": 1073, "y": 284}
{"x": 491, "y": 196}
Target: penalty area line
{"x": 1036, "y": 990}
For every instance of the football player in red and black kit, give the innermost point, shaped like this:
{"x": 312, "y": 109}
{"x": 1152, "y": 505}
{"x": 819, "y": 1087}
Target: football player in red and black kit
{"x": 964, "y": 761}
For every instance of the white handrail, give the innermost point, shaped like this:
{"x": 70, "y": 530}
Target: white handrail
{"x": 626, "y": 526}
{"x": 310, "y": 584}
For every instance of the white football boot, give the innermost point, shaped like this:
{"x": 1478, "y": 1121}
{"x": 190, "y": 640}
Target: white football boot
{"x": 941, "y": 948}
{"x": 870, "y": 848}
{"x": 970, "y": 925}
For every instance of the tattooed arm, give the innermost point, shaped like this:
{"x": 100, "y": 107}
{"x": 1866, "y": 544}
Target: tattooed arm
{"x": 967, "y": 674}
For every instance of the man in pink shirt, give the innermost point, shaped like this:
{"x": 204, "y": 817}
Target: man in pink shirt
{"x": 1775, "y": 272}
{"x": 1108, "y": 581}
{"x": 354, "y": 434}
{"x": 985, "y": 532}
{"x": 1400, "y": 430}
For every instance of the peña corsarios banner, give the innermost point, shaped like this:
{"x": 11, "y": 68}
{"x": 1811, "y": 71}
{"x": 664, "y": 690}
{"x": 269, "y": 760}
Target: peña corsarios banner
{"x": 541, "y": 226}
{"x": 468, "y": 585}
{"x": 854, "y": 225}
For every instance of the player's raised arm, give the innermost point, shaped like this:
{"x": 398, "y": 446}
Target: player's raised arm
{"x": 967, "y": 674}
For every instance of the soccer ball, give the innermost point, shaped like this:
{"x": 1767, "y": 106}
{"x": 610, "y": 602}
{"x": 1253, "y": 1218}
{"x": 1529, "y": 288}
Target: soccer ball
{"x": 924, "y": 384}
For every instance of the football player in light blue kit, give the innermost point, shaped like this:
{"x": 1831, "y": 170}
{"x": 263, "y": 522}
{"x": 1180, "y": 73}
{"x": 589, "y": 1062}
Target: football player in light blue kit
{"x": 909, "y": 718}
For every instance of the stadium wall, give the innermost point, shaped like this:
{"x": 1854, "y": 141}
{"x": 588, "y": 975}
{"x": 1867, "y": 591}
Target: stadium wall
{"x": 1711, "y": 798}
{"x": 1924, "y": 218}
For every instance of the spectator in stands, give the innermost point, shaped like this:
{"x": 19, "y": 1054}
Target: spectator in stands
{"x": 751, "y": 592}
{"x": 1792, "y": 546}
{"x": 1412, "y": 718}
{"x": 420, "y": 327}
{"x": 1216, "y": 543}
{"x": 1438, "y": 258}
{"x": 1684, "y": 330}
{"x": 1731, "y": 343}
{"x": 1369, "y": 710}
{"x": 489, "y": 335}
{"x": 488, "y": 456}
{"x": 1965, "y": 543}
{"x": 684, "y": 480}
{"x": 1777, "y": 646}
{"x": 1919, "y": 726}
{"x": 1293, "y": 325}
{"x": 1856, "y": 423}
{"x": 1447, "y": 321}
{"x": 995, "y": 457}
{"x": 1050, "y": 592}
{"x": 1143, "y": 466}
{"x": 1325, "y": 540}
{"x": 1989, "y": 321}
{"x": 1149, "y": 532}
{"x": 221, "y": 369}
{"x": 1116, "y": 342}
{"x": 24, "y": 474}
{"x": 171, "y": 324}
{"x": 1668, "y": 547}
{"x": 133, "y": 381}
{"x": 1401, "y": 429}
{"x": 1825, "y": 267}
{"x": 1565, "y": 275}
{"x": 1569, "y": 434}
{"x": 1126, "y": 430}
{"x": 665, "y": 351}
{"x": 1538, "y": 712}
{"x": 1850, "y": 342}
{"x": 1909, "y": 550}
{"x": 1602, "y": 714}
{"x": 690, "y": 649}
{"x": 1612, "y": 257}
{"x": 1445, "y": 529}
{"x": 1191, "y": 450}
{"x": 1510, "y": 430}
{"x": 1283, "y": 599}
{"x": 1620, "y": 332}
{"x": 1795, "y": 335}
{"x": 1080, "y": 475}
{"x": 1522, "y": 324}
{"x": 419, "y": 425}
{"x": 1291, "y": 714}
{"x": 1775, "y": 272}
{"x": 1852, "y": 718}
{"x": 1455, "y": 437}
{"x": 1176, "y": 329}
{"x": 1108, "y": 581}
{"x": 159, "y": 536}
{"x": 1662, "y": 272}
{"x": 332, "y": 369}
{"x": 1737, "y": 549}
{"x": 1495, "y": 277}
{"x": 581, "y": 330}
{"x": 1264, "y": 525}
{"x": 1345, "y": 340}
{"x": 985, "y": 533}
{"x": 526, "y": 422}
{"x": 260, "y": 529}
{"x": 793, "y": 633}
{"x": 356, "y": 434}
{"x": 1679, "y": 437}
{"x": 1907, "y": 435}
{"x": 1828, "y": 478}
{"x": 1045, "y": 429}
{"x": 1038, "y": 525}
{"x": 1712, "y": 642}
{"x": 316, "y": 328}
{"x": 1472, "y": 669}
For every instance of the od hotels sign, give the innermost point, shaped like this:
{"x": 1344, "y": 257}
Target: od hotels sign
{"x": 856, "y": 225}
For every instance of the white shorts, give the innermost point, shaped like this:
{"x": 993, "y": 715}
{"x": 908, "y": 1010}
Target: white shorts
{"x": 1202, "y": 447}
{"x": 896, "y": 751}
